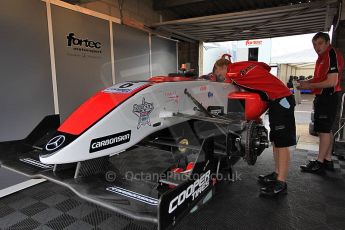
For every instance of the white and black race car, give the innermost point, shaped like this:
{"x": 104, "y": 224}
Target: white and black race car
{"x": 202, "y": 126}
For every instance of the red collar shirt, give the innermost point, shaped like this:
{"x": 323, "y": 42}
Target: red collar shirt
{"x": 255, "y": 77}
{"x": 330, "y": 61}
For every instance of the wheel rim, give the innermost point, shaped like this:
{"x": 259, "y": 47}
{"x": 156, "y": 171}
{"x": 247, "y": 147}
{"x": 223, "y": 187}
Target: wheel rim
{"x": 183, "y": 141}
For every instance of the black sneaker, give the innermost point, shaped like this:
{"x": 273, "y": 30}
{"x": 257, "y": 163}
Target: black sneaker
{"x": 274, "y": 189}
{"x": 269, "y": 178}
{"x": 328, "y": 165}
{"x": 313, "y": 166}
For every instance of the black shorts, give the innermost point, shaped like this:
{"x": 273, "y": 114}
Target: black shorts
{"x": 325, "y": 110}
{"x": 282, "y": 122}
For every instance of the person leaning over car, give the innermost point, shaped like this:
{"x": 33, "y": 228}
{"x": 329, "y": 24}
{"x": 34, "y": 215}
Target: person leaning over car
{"x": 255, "y": 77}
{"x": 326, "y": 87}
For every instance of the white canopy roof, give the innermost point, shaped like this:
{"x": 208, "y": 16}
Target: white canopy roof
{"x": 301, "y": 57}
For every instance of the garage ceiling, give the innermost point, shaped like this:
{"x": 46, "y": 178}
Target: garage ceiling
{"x": 264, "y": 21}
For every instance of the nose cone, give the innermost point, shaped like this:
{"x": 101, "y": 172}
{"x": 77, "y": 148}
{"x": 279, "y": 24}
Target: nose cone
{"x": 57, "y": 141}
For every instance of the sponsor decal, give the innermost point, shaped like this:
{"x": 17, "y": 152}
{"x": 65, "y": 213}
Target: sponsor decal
{"x": 172, "y": 97}
{"x": 199, "y": 89}
{"x": 209, "y": 94}
{"x": 216, "y": 110}
{"x": 73, "y": 41}
{"x": 192, "y": 192}
{"x": 83, "y": 47}
{"x": 55, "y": 142}
{"x": 143, "y": 111}
{"x": 110, "y": 141}
{"x": 246, "y": 70}
{"x": 36, "y": 163}
{"x": 253, "y": 42}
{"x": 203, "y": 88}
{"x": 133, "y": 195}
{"x": 124, "y": 87}
{"x": 279, "y": 127}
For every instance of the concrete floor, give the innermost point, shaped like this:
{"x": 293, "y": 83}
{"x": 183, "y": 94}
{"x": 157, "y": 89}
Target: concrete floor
{"x": 303, "y": 118}
{"x": 303, "y": 110}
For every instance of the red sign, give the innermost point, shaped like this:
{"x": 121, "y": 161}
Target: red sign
{"x": 253, "y": 42}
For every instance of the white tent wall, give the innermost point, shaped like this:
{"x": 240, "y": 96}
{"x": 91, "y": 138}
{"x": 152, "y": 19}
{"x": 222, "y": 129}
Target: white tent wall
{"x": 264, "y": 47}
{"x": 238, "y": 49}
{"x": 305, "y": 71}
{"x": 286, "y": 70}
{"x": 212, "y": 52}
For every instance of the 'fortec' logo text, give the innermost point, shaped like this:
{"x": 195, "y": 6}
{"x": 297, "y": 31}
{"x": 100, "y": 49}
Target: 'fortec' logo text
{"x": 73, "y": 41}
{"x": 193, "y": 191}
{"x": 55, "y": 142}
{"x": 110, "y": 141}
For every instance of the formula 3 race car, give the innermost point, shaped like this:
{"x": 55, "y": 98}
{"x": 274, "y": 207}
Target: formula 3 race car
{"x": 151, "y": 150}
